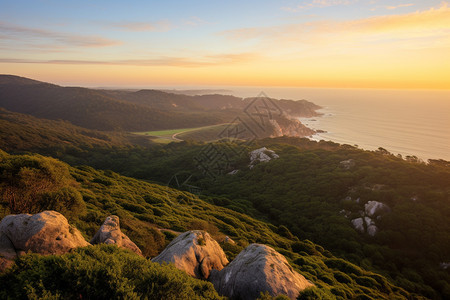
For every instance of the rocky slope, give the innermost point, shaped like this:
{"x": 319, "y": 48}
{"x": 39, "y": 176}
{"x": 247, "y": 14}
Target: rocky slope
{"x": 257, "y": 269}
{"x": 49, "y": 232}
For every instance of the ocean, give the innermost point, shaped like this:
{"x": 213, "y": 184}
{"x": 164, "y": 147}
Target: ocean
{"x": 406, "y": 122}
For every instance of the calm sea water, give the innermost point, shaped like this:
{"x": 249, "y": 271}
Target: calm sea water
{"x": 407, "y": 122}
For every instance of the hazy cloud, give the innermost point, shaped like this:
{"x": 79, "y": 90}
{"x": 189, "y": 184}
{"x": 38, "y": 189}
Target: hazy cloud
{"x": 399, "y": 6}
{"x": 41, "y": 36}
{"x": 207, "y": 60}
{"x": 143, "y": 26}
{"x": 433, "y": 23}
{"x": 194, "y": 21}
{"x": 318, "y": 3}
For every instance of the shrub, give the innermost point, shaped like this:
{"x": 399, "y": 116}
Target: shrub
{"x": 343, "y": 266}
{"x": 342, "y": 278}
{"x": 99, "y": 272}
{"x": 31, "y": 184}
{"x": 306, "y": 247}
{"x": 314, "y": 293}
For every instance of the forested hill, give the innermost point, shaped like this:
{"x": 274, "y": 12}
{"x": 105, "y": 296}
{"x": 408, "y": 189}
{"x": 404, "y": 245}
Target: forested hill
{"x": 130, "y": 111}
{"x": 210, "y": 102}
{"x": 21, "y": 132}
{"x": 89, "y": 108}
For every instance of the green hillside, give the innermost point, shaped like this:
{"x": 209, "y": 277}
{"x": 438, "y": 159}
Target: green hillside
{"x": 308, "y": 191}
{"x": 21, "y": 132}
{"x": 86, "y": 196}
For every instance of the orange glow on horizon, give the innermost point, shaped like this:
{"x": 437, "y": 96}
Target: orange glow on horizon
{"x": 399, "y": 51}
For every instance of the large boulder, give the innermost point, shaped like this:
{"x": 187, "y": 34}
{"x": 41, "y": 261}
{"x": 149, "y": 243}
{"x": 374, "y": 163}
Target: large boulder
{"x": 258, "y": 268}
{"x": 110, "y": 233}
{"x": 47, "y": 232}
{"x": 194, "y": 252}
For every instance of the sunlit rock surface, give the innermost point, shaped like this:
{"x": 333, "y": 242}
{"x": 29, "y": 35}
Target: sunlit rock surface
{"x": 47, "y": 232}
{"x": 258, "y": 268}
{"x": 194, "y": 252}
{"x": 110, "y": 233}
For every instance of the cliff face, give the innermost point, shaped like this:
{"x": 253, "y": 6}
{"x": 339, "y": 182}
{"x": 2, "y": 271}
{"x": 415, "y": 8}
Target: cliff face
{"x": 293, "y": 128}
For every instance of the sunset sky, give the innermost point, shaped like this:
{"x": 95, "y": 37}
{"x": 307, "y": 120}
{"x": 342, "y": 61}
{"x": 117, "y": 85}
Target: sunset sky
{"x": 313, "y": 43}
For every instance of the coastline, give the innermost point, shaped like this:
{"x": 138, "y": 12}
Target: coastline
{"x": 336, "y": 129}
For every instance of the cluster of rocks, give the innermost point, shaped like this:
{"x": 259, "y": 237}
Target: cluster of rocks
{"x": 258, "y": 268}
{"x": 261, "y": 155}
{"x": 347, "y": 164}
{"x": 372, "y": 211}
{"x": 444, "y": 265}
{"x": 49, "y": 232}
{"x": 257, "y": 156}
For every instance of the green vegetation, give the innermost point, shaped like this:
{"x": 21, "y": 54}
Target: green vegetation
{"x": 31, "y": 184}
{"x": 306, "y": 189}
{"x": 99, "y": 272}
{"x": 20, "y": 132}
{"x": 205, "y": 133}
{"x": 143, "y": 208}
{"x": 301, "y": 203}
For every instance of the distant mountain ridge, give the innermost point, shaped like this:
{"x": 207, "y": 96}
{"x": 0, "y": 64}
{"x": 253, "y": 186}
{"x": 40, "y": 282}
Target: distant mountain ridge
{"x": 88, "y": 108}
{"x": 118, "y": 110}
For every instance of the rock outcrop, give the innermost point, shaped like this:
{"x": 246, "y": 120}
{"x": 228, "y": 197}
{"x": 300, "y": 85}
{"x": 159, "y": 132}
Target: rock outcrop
{"x": 373, "y": 208}
{"x": 194, "y": 252}
{"x": 347, "y": 164}
{"x": 228, "y": 240}
{"x": 258, "y": 268}
{"x": 358, "y": 224}
{"x": 444, "y": 265}
{"x": 261, "y": 155}
{"x": 110, "y": 233}
{"x": 365, "y": 225}
{"x": 47, "y": 232}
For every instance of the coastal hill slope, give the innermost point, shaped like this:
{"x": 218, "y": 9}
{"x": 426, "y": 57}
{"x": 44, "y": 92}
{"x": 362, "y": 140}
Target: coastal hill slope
{"x": 149, "y": 216}
{"x": 22, "y": 132}
{"x": 210, "y": 102}
{"x": 370, "y": 207}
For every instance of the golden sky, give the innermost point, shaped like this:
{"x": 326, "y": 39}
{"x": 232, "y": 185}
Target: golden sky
{"x": 314, "y": 43}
